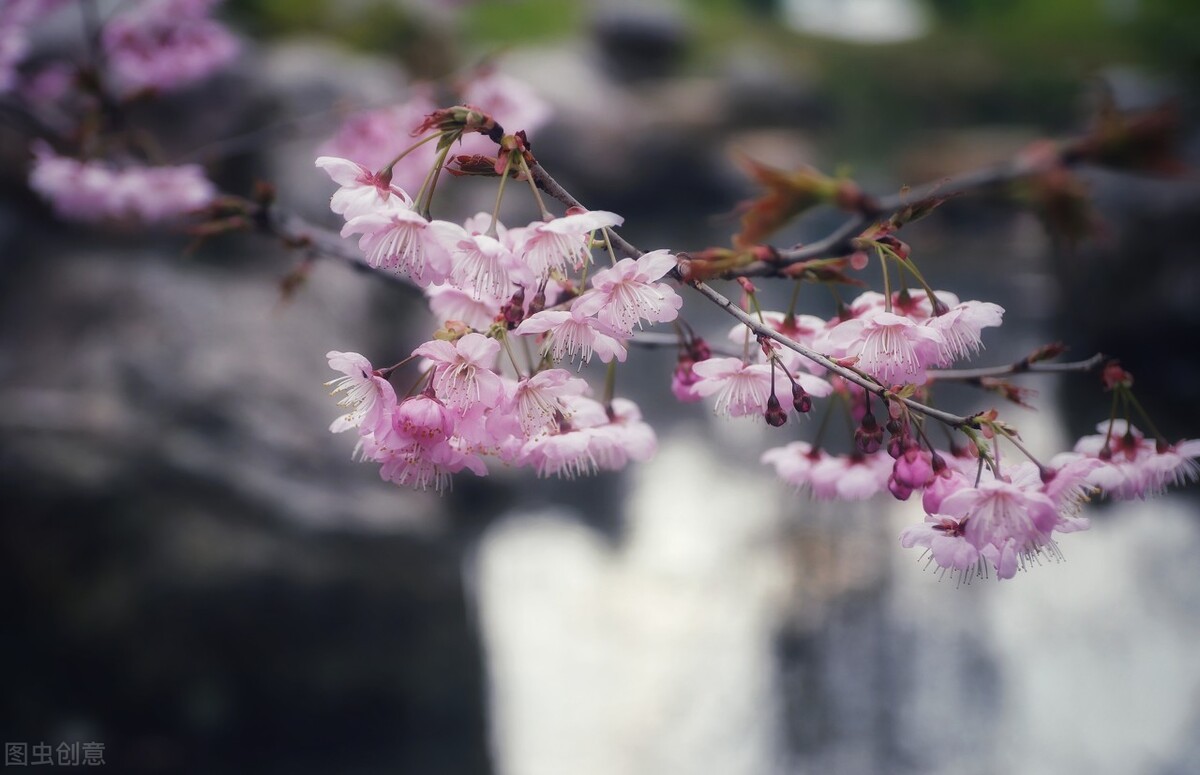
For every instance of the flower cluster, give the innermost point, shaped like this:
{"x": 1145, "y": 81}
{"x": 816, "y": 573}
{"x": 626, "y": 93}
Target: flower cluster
{"x": 895, "y": 344}
{"x": 468, "y": 411}
{"x": 502, "y": 294}
{"x": 369, "y": 137}
{"x": 97, "y": 190}
{"x": 500, "y": 291}
{"x": 147, "y": 45}
{"x": 163, "y": 45}
{"x": 521, "y": 309}
{"x": 16, "y": 16}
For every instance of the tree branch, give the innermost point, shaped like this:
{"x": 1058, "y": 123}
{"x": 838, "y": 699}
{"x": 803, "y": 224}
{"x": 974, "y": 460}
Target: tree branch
{"x": 1020, "y": 367}
{"x": 548, "y": 184}
{"x": 953, "y": 420}
{"x": 298, "y": 233}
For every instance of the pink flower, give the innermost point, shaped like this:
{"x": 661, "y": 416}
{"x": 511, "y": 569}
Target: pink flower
{"x": 537, "y": 400}
{"x": 463, "y": 370}
{"x": 484, "y": 265}
{"x": 423, "y": 466}
{"x": 625, "y": 295}
{"x": 948, "y": 481}
{"x": 1067, "y": 483}
{"x": 947, "y": 546}
{"x": 15, "y": 18}
{"x": 623, "y": 438}
{"x": 93, "y": 190}
{"x": 369, "y": 397}
{"x": 852, "y": 477}
{"x": 891, "y": 348}
{"x": 547, "y": 247}
{"x": 563, "y": 455}
{"x": 450, "y": 303}
{"x": 914, "y": 468}
{"x": 399, "y": 239}
{"x": 961, "y": 328}
{"x": 743, "y": 389}
{"x": 362, "y": 191}
{"x": 154, "y": 194}
{"x": 794, "y": 462}
{"x": 995, "y": 512}
{"x": 424, "y": 419}
{"x": 373, "y": 138}
{"x": 1135, "y": 468}
{"x": 590, "y": 440}
{"x": 573, "y": 333}
{"x": 684, "y": 379}
{"x": 166, "y": 44}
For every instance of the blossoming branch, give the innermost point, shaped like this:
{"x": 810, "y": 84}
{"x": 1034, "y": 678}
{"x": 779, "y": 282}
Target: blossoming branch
{"x": 533, "y": 320}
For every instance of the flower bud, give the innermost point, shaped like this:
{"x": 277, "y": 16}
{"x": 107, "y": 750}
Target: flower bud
{"x": 801, "y": 400}
{"x": 539, "y": 301}
{"x": 514, "y": 310}
{"x": 775, "y": 415}
{"x": 868, "y": 437}
{"x": 900, "y": 490}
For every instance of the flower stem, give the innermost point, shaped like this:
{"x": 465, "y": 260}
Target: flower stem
{"x": 887, "y": 281}
{"x": 537, "y": 195}
{"x": 410, "y": 149}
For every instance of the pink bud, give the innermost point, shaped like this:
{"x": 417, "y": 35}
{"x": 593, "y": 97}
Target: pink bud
{"x": 775, "y": 415}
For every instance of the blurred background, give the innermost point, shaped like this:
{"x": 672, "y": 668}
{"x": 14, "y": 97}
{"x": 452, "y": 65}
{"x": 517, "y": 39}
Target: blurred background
{"x": 198, "y": 577}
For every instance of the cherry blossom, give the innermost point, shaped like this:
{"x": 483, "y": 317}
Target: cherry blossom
{"x": 623, "y": 438}
{"x": 552, "y": 246}
{"x": 1001, "y": 510}
{"x": 961, "y": 327}
{"x": 165, "y": 44}
{"x": 424, "y": 467}
{"x": 625, "y": 295}
{"x": 943, "y": 537}
{"x": 463, "y": 370}
{"x": 16, "y": 16}
{"x": 565, "y": 455}
{"x": 539, "y": 399}
{"x": 572, "y": 333}
{"x": 742, "y": 389}
{"x": 477, "y": 310}
{"x": 891, "y": 348}
{"x": 486, "y": 266}
{"x": 1134, "y": 467}
{"x": 369, "y": 397}
{"x": 794, "y": 462}
{"x": 374, "y": 138}
{"x": 425, "y": 419}
{"x": 361, "y": 190}
{"x": 403, "y": 241}
{"x": 852, "y": 477}
{"x": 95, "y": 190}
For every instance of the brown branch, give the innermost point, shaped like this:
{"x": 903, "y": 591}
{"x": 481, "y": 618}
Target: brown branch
{"x": 840, "y": 241}
{"x": 1020, "y": 367}
{"x": 299, "y": 234}
{"x": 953, "y": 420}
{"x": 548, "y": 184}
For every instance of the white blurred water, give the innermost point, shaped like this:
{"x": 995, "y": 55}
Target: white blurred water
{"x": 661, "y": 654}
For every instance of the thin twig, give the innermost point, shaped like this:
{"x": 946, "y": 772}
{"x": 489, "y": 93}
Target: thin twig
{"x": 1020, "y": 367}
{"x": 875, "y": 388}
{"x": 296, "y": 232}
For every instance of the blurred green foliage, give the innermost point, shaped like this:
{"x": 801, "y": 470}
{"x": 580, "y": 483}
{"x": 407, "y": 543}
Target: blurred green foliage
{"x": 1017, "y": 61}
